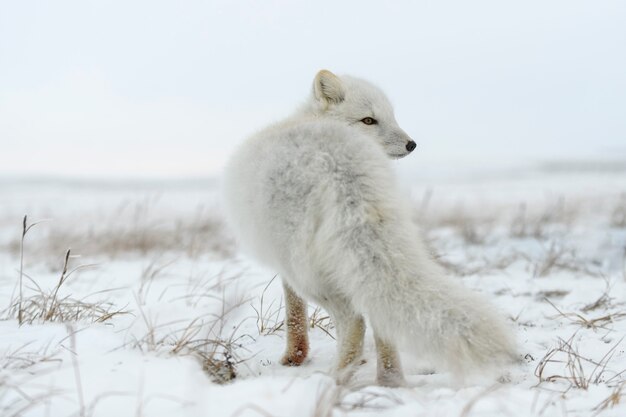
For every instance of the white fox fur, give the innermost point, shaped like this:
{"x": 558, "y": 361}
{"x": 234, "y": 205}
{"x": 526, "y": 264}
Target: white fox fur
{"x": 314, "y": 197}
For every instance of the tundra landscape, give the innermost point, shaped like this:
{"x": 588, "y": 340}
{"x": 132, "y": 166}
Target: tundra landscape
{"x": 133, "y": 299}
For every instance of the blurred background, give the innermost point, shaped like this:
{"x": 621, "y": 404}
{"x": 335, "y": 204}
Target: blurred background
{"x": 153, "y": 89}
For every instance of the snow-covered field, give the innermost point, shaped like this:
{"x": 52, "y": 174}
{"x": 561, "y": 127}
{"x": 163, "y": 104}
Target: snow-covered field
{"x": 157, "y": 314}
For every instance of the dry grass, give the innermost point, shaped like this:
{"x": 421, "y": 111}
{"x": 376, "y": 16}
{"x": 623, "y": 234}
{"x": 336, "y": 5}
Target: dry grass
{"x": 201, "y": 338}
{"x": 543, "y": 224}
{"x": 205, "y": 287}
{"x": 268, "y": 316}
{"x": 21, "y": 358}
{"x": 575, "y": 369}
{"x": 612, "y": 400}
{"x": 321, "y": 320}
{"x": 205, "y": 337}
{"x": 550, "y": 227}
{"x": 550, "y": 294}
{"x": 45, "y": 305}
{"x": 137, "y": 229}
{"x": 604, "y": 301}
{"x": 154, "y": 269}
{"x": 557, "y": 256}
{"x": 599, "y": 322}
{"x": 482, "y": 265}
{"x": 477, "y": 227}
{"x": 473, "y": 228}
{"x": 38, "y": 305}
{"x": 28, "y": 364}
{"x": 618, "y": 214}
{"x": 48, "y": 305}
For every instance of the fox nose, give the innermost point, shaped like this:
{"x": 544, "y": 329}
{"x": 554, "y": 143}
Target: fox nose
{"x": 410, "y": 146}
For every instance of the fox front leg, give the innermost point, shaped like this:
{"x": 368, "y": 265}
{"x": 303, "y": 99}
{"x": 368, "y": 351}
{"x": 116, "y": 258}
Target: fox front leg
{"x": 297, "y": 329}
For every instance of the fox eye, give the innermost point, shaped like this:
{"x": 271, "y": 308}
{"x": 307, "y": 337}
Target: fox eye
{"x": 369, "y": 121}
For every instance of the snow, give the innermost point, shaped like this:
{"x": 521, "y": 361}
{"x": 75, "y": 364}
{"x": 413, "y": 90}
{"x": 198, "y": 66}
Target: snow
{"x": 549, "y": 248}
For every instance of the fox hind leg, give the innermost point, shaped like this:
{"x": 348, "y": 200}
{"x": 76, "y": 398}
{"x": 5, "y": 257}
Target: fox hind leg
{"x": 350, "y": 334}
{"x": 297, "y": 329}
{"x": 388, "y": 368}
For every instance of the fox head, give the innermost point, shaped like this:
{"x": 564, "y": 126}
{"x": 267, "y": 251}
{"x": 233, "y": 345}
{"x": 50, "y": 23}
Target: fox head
{"x": 361, "y": 105}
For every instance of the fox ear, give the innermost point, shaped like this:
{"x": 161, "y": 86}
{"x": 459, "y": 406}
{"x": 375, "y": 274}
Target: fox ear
{"x": 328, "y": 88}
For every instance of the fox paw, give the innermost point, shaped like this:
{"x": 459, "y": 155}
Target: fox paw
{"x": 293, "y": 358}
{"x": 391, "y": 378}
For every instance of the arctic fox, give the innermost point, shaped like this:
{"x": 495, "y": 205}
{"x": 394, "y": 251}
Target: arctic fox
{"x": 314, "y": 197}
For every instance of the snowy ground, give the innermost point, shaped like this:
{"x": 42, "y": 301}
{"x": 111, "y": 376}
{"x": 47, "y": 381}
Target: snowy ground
{"x": 159, "y": 315}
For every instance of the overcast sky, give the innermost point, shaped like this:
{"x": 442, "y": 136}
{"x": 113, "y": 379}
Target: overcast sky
{"x": 158, "y": 89}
